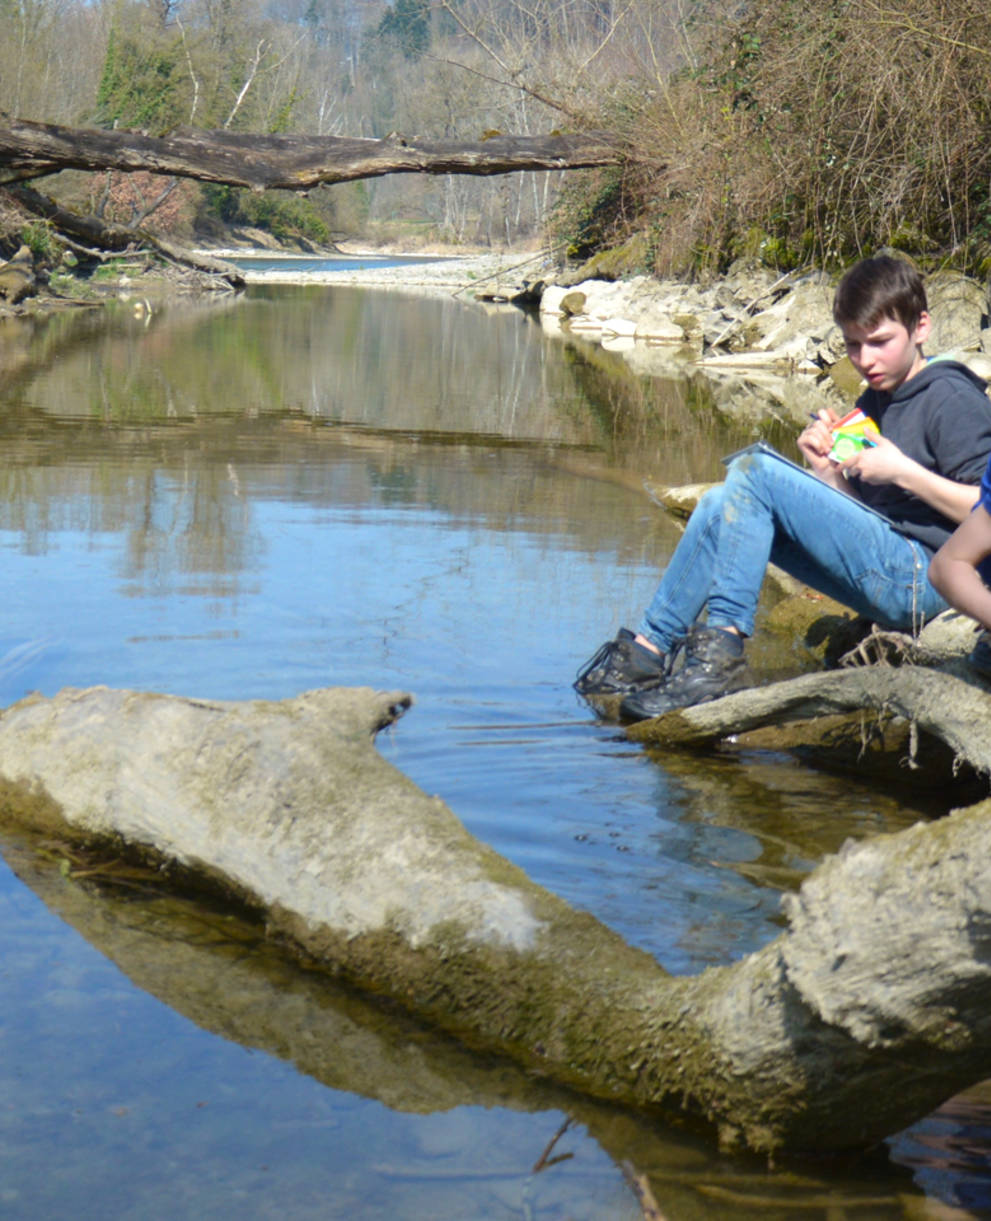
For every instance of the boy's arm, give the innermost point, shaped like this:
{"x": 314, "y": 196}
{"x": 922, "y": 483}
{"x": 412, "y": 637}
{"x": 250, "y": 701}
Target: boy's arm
{"x": 886, "y": 463}
{"x": 953, "y": 569}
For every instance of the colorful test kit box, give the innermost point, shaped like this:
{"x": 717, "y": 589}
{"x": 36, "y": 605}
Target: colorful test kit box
{"x": 853, "y": 433}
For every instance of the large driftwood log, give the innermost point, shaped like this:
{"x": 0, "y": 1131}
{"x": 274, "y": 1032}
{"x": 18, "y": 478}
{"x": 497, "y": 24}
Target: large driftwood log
{"x": 295, "y": 163}
{"x": 870, "y": 1009}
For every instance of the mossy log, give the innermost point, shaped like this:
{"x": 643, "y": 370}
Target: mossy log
{"x": 872, "y": 1007}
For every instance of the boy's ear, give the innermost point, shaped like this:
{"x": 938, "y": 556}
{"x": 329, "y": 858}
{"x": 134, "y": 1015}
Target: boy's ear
{"x": 922, "y": 328}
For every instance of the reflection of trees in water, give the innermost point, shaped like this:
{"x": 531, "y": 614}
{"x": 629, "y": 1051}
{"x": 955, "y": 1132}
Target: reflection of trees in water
{"x": 381, "y": 360}
{"x": 174, "y": 498}
{"x": 193, "y": 524}
{"x": 669, "y": 427}
{"x": 182, "y": 494}
{"x": 165, "y": 430}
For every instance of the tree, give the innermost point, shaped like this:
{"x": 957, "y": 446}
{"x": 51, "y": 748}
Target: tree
{"x": 407, "y": 25}
{"x": 142, "y": 85}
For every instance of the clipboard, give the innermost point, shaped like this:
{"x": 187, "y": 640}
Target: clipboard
{"x": 763, "y": 447}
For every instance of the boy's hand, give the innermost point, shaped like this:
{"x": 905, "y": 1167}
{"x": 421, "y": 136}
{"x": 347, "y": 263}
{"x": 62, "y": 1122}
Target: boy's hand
{"x": 815, "y": 442}
{"x": 882, "y": 462}
{"x": 886, "y": 463}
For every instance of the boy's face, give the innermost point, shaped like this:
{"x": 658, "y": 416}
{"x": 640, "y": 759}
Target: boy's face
{"x": 888, "y": 353}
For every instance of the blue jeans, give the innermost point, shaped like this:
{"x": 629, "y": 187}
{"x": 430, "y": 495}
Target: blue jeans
{"x": 768, "y": 512}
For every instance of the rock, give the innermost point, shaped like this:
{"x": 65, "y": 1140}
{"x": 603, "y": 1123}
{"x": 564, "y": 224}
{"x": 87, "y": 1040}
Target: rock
{"x": 551, "y": 298}
{"x": 572, "y": 303}
{"x": 799, "y": 321}
{"x": 761, "y": 338}
{"x": 765, "y": 391}
{"x": 17, "y": 278}
{"x": 681, "y": 500}
{"x": 950, "y": 635}
{"x": 618, "y": 328}
{"x": 585, "y": 324}
{"x": 655, "y": 325}
{"x": 958, "y": 306}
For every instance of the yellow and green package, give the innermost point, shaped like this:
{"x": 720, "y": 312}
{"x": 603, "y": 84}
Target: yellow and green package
{"x": 853, "y": 433}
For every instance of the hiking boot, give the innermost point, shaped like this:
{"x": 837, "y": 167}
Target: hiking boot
{"x": 980, "y": 656}
{"x": 714, "y": 666}
{"x": 621, "y": 666}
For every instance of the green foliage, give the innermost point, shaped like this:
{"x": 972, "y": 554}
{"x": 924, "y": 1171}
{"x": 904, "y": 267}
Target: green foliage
{"x": 282, "y": 120}
{"x": 112, "y": 269}
{"x": 280, "y": 213}
{"x": 589, "y": 213}
{"x": 37, "y": 235}
{"x": 407, "y": 25}
{"x": 142, "y": 85}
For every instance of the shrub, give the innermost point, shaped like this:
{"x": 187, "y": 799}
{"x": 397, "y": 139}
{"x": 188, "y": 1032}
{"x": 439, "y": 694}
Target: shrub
{"x": 281, "y": 213}
{"x": 807, "y": 130}
{"x": 37, "y": 235}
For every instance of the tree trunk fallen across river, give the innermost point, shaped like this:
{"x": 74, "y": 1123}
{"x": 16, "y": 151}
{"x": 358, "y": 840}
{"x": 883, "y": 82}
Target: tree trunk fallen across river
{"x": 870, "y": 1009}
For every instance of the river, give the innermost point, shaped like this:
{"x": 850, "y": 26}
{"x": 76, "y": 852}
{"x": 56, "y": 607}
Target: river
{"x": 311, "y": 486}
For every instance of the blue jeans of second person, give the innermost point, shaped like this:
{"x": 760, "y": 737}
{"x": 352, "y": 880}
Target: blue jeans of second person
{"x": 767, "y": 511}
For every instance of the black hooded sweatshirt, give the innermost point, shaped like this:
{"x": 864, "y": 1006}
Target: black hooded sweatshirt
{"x": 941, "y": 417}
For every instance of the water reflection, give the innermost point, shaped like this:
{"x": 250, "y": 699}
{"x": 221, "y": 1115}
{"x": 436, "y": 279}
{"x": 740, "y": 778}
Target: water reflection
{"x": 249, "y": 498}
{"x": 219, "y": 972}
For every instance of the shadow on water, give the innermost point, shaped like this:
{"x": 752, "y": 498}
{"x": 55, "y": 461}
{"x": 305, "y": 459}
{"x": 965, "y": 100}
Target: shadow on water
{"x": 309, "y": 487}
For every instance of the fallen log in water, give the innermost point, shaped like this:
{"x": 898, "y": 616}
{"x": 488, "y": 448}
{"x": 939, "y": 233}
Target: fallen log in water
{"x": 869, "y": 1010}
{"x": 952, "y": 707}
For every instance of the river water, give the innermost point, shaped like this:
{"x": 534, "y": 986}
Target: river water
{"x": 302, "y": 487}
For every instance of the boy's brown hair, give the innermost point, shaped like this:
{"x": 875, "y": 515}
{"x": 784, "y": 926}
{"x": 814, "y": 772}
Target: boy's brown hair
{"x": 879, "y": 288}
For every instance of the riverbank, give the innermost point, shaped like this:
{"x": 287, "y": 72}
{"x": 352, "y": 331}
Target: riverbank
{"x": 765, "y": 343}
{"x": 426, "y": 270}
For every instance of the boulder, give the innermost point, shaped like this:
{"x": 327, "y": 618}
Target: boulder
{"x": 959, "y": 309}
{"x": 17, "y": 277}
{"x": 800, "y": 321}
{"x": 551, "y": 298}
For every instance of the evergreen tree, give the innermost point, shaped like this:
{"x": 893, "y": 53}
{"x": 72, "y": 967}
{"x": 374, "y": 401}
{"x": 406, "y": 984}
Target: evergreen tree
{"x": 143, "y": 84}
{"x": 407, "y": 25}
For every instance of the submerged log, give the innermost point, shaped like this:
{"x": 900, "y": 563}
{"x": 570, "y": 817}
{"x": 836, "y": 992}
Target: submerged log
{"x": 869, "y": 1010}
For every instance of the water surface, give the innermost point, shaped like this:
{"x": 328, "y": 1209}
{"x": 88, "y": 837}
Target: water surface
{"x": 314, "y": 486}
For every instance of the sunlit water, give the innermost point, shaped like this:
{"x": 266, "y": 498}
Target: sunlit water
{"x": 310, "y": 487}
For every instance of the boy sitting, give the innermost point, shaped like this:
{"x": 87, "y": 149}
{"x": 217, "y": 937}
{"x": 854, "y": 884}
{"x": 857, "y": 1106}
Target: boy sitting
{"x": 961, "y": 571}
{"x": 934, "y": 421}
